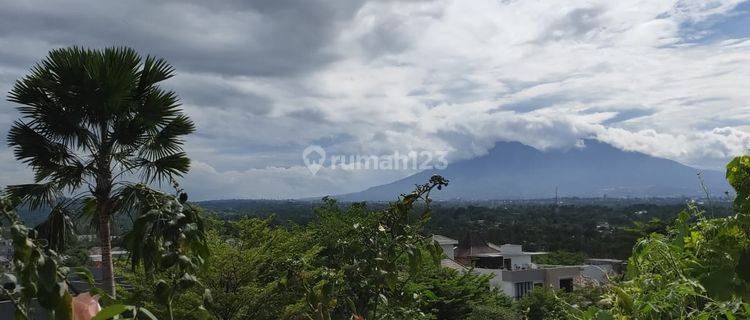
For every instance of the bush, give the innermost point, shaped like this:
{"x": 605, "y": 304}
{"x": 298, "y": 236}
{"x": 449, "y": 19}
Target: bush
{"x": 481, "y": 312}
{"x": 542, "y": 304}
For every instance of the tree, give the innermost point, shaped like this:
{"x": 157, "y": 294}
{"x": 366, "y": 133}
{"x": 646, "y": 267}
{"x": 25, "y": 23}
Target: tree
{"x": 168, "y": 240}
{"x": 450, "y": 294}
{"x": 367, "y": 258}
{"x": 542, "y": 304}
{"x": 698, "y": 269}
{"x": 90, "y": 119}
{"x": 561, "y": 257}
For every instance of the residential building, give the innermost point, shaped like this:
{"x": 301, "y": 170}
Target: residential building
{"x": 512, "y": 268}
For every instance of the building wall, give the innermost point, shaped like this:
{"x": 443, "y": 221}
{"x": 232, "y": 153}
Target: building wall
{"x": 497, "y": 276}
{"x": 553, "y": 275}
{"x": 597, "y": 273}
{"x": 520, "y": 261}
{"x": 448, "y": 250}
{"x": 506, "y": 280}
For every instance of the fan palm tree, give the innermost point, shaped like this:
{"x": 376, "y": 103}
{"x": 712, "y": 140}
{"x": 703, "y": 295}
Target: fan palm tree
{"x": 90, "y": 120}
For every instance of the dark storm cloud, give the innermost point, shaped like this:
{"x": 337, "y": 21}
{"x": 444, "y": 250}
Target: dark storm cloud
{"x": 217, "y": 94}
{"x": 254, "y": 38}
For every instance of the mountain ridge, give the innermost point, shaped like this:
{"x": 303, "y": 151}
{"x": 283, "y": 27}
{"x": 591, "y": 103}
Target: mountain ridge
{"x": 511, "y": 170}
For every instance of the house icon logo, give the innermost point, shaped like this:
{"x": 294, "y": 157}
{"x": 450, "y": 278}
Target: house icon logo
{"x": 314, "y": 156}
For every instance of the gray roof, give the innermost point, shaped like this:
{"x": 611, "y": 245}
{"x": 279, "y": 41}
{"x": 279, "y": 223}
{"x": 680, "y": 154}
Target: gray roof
{"x": 442, "y": 240}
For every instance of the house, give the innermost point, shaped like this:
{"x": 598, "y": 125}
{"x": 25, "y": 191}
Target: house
{"x": 447, "y": 244}
{"x": 512, "y": 269}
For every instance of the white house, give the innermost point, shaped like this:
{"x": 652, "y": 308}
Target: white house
{"x": 513, "y": 271}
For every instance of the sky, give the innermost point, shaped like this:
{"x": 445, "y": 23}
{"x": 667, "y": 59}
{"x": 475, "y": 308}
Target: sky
{"x": 263, "y": 80}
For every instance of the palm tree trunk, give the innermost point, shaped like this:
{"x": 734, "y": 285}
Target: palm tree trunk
{"x": 104, "y": 207}
{"x": 105, "y": 242}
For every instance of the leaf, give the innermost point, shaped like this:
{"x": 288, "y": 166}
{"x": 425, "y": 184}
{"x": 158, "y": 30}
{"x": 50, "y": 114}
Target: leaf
{"x": 84, "y": 273}
{"x": 738, "y": 176}
{"x": 64, "y": 310}
{"x": 187, "y": 281}
{"x": 718, "y": 282}
{"x": 623, "y": 299}
{"x": 110, "y": 312}
{"x": 147, "y": 313}
{"x": 162, "y": 291}
{"x": 603, "y": 315}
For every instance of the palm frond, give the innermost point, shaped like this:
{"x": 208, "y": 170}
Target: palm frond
{"x": 164, "y": 167}
{"x": 130, "y": 196}
{"x": 88, "y": 213}
{"x": 154, "y": 71}
{"x": 169, "y": 139}
{"x": 35, "y": 195}
{"x": 64, "y": 76}
{"x": 33, "y": 148}
{"x": 120, "y": 79}
{"x": 129, "y": 133}
{"x": 157, "y": 107}
{"x": 52, "y": 119}
{"x": 69, "y": 176}
{"x": 58, "y": 228}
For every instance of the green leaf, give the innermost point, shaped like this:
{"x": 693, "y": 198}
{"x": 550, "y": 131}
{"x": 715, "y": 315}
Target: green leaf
{"x": 110, "y": 312}
{"x": 147, "y": 313}
{"x": 64, "y": 310}
{"x": 187, "y": 281}
{"x": 84, "y": 273}
{"x": 162, "y": 291}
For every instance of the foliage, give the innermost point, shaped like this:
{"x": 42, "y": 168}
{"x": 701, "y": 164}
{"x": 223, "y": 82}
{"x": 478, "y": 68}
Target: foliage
{"x": 542, "y": 304}
{"x": 738, "y": 175}
{"x": 38, "y": 272}
{"x": 367, "y": 258}
{"x": 168, "y": 241}
{"x": 699, "y": 269}
{"x": 483, "y": 312}
{"x": 449, "y": 294}
{"x": 348, "y": 262}
{"x": 598, "y": 228}
{"x": 89, "y": 117}
{"x": 247, "y": 266}
{"x": 695, "y": 271}
{"x": 606, "y": 230}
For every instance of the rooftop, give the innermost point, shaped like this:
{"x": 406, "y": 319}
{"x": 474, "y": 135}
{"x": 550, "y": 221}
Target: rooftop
{"x": 443, "y": 240}
{"x": 510, "y": 250}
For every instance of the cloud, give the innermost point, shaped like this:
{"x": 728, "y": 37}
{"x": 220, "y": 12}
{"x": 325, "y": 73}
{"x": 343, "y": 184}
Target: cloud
{"x": 265, "y": 79}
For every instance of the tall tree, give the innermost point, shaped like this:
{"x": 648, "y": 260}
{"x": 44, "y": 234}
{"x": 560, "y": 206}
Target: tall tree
{"x": 91, "y": 119}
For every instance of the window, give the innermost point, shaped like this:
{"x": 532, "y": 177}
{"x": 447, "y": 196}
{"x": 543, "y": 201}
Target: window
{"x": 566, "y": 284}
{"x": 522, "y": 288}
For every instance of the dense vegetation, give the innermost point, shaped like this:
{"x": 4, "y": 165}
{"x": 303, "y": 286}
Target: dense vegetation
{"x": 588, "y": 228}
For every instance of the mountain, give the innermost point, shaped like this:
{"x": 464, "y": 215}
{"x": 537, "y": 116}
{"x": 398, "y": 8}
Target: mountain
{"x": 512, "y": 170}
